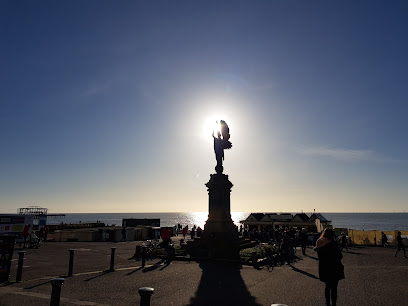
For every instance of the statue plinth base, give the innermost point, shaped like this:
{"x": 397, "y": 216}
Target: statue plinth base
{"x": 220, "y": 236}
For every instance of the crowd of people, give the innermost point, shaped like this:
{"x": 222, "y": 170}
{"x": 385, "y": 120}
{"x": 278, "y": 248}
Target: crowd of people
{"x": 280, "y": 236}
{"x": 194, "y": 232}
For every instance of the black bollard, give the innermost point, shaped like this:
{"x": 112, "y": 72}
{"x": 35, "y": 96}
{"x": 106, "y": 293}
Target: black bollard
{"x": 145, "y": 294}
{"x": 71, "y": 261}
{"x": 20, "y": 266}
{"x": 170, "y": 253}
{"x": 254, "y": 260}
{"x": 138, "y": 252}
{"x": 56, "y": 291}
{"x": 144, "y": 255}
{"x": 112, "y": 263}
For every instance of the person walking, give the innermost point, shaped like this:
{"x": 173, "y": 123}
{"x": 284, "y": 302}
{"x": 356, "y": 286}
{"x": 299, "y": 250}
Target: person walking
{"x": 46, "y": 231}
{"x": 401, "y": 245}
{"x": 41, "y": 234}
{"x": 199, "y": 232}
{"x": 331, "y": 270}
{"x": 26, "y": 234}
{"x": 303, "y": 240}
{"x": 344, "y": 242}
{"x": 384, "y": 240}
{"x": 123, "y": 234}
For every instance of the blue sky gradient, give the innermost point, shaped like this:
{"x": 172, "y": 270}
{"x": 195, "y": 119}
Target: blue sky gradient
{"x": 104, "y": 104}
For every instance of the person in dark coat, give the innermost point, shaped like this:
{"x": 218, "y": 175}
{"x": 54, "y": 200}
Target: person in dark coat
{"x": 199, "y": 231}
{"x": 331, "y": 270}
{"x": 41, "y": 234}
{"x": 343, "y": 242}
{"x": 123, "y": 234}
{"x": 26, "y": 234}
{"x": 384, "y": 240}
{"x": 303, "y": 240}
{"x": 400, "y": 245}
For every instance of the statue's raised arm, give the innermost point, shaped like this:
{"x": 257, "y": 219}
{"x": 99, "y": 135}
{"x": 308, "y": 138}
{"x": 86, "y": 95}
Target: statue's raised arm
{"x": 221, "y": 142}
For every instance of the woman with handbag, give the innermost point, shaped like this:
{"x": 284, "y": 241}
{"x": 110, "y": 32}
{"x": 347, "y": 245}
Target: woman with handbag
{"x": 331, "y": 270}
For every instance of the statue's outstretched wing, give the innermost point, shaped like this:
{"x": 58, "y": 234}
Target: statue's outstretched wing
{"x": 225, "y": 135}
{"x": 224, "y": 130}
{"x": 227, "y": 144}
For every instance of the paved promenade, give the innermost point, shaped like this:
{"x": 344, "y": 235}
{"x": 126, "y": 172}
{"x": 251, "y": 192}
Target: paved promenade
{"x": 373, "y": 277}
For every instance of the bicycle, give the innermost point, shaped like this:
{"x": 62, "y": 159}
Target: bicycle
{"x": 269, "y": 253}
{"x": 32, "y": 243}
{"x": 150, "y": 249}
{"x": 35, "y": 242}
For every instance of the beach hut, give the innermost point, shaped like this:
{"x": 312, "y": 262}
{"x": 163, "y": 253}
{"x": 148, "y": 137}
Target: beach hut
{"x": 320, "y": 222}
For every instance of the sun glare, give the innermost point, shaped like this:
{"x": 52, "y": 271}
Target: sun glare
{"x": 199, "y": 218}
{"x": 212, "y": 125}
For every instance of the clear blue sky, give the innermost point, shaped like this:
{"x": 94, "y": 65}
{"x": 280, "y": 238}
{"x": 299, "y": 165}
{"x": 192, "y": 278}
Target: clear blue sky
{"x": 104, "y": 104}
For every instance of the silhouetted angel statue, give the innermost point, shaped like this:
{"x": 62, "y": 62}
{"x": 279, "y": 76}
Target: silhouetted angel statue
{"x": 221, "y": 142}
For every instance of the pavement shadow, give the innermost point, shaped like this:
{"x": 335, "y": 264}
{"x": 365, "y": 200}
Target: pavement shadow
{"x": 130, "y": 273}
{"x": 38, "y": 285}
{"x": 353, "y": 253}
{"x": 303, "y": 272}
{"x": 312, "y": 257}
{"x": 222, "y": 284}
{"x": 153, "y": 267}
{"x": 93, "y": 277}
{"x": 165, "y": 266}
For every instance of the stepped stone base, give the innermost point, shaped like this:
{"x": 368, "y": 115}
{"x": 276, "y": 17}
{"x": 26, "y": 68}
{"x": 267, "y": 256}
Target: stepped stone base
{"x": 220, "y": 236}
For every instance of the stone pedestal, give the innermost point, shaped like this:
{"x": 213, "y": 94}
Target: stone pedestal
{"x": 220, "y": 236}
{"x": 219, "y": 205}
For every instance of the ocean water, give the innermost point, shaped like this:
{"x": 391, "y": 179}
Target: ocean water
{"x": 369, "y": 221}
{"x": 166, "y": 219}
{"x": 360, "y": 221}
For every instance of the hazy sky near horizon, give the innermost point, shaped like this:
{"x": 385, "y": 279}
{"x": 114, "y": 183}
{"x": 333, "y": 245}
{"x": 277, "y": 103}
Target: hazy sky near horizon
{"x": 105, "y": 104}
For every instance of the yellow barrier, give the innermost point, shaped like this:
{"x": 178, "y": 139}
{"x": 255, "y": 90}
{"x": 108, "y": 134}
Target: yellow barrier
{"x": 374, "y": 237}
{"x": 362, "y": 237}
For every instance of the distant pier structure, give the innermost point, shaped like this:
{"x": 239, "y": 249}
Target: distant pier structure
{"x": 38, "y": 212}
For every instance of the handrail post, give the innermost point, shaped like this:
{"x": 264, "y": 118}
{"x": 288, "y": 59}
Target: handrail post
{"x": 144, "y": 249}
{"x": 56, "y": 291}
{"x": 71, "y": 261}
{"x": 20, "y": 266}
{"x": 145, "y": 295}
{"x": 112, "y": 262}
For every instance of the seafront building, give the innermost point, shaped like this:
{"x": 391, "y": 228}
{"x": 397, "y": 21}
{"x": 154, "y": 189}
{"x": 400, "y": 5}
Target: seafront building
{"x": 271, "y": 221}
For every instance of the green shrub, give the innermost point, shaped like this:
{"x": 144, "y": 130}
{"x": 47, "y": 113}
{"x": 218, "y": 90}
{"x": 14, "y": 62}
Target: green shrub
{"x": 261, "y": 250}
